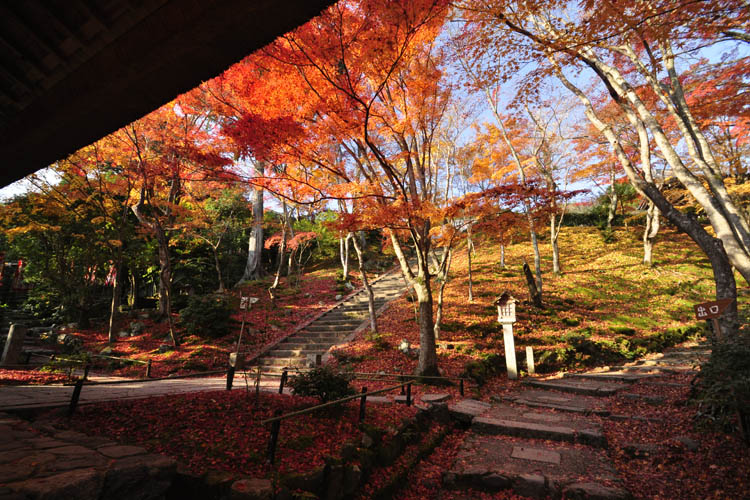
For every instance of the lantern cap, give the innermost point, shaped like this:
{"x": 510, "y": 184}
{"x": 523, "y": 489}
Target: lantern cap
{"x": 504, "y": 299}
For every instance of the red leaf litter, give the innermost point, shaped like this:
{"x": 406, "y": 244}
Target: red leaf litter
{"x": 222, "y": 430}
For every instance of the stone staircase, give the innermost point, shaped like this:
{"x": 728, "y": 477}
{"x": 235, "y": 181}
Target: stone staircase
{"x": 546, "y": 440}
{"x": 301, "y": 349}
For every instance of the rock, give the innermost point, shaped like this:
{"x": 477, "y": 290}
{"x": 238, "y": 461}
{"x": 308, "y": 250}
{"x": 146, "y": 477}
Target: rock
{"x": 688, "y": 443}
{"x": 435, "y": 398}
{"x": 339, "y": 297}
{"x": 312, "y": 481}
{"x": 107, "y": 351}
{"x": 367, "y": 441}
{"x": 352, "y": 478}
{"x": 83, "y": 484}
{"x": 466, "y": 409}
{"x": 140, "y": 476}
{"x": 121, "y": 451}
{"x": 136, "y": 328}
{"x": 531, "y": 485}
{"x": 335, "y": 483}
{"x": 594, "y": 491}
{"x": 640, "y": 450}
{"x": 122, "y": 334}
{"x": 251, "y": 489}
{"x": 165, "y": 348}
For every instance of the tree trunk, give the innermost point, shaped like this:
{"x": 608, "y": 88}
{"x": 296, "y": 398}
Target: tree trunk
{"x": 282, "y": 250}
{"x": 253, "y": 268}
{"x": 445, "y": 267}
{"x": 612, "y": 199}
{"x": 427, "y": 365}
{"x": 650, "y": 232}
{"x": 368, "y": 287}
{"x": 215, "y": 250}
{"x": 344, "y": 254}
{"x": 537, "y": 261}
{"x": 536, "y": 296}
{"x": 165, "y": 282}
{"x": 553, "y": 234}
{"x": 469, "y": 250}
{"x": 502, "y": 255}
{"x": 115, "y": 304}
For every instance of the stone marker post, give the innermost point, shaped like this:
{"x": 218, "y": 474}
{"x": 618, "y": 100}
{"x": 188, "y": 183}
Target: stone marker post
{"x": 13, "y": 345}
{"x": 529, "y": 360}
{"x": 506, "y": 316}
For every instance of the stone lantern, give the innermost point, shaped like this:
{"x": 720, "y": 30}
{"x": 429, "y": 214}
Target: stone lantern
{"x": 506, "y": 316}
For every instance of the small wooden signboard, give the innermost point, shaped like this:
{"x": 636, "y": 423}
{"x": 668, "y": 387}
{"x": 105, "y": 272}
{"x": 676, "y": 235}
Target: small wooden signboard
{"x": 711, "y": 310}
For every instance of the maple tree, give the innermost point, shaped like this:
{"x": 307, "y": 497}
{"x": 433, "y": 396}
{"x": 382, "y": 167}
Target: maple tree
{"x": 625, "y": 48}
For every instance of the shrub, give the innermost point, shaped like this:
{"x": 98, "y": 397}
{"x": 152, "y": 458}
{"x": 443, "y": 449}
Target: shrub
{"x": 482, "y": 369}
{"x": 723, "y": 388}
{"x": 378, "y": 341}
{"x": 323, "y": 383}
{"x": 207, "y": 316}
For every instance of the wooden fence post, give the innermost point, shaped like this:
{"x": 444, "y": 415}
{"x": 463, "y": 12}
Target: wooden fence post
{"x": 275, "y": 428}
{"x": 408, "y": 394}
{"x": 461, "y": 387}
{"x": 74, "y": 398}
{"x": 148, "y": 369}
{"x": 230, "y": 377}
{"x": 284, "y": 376}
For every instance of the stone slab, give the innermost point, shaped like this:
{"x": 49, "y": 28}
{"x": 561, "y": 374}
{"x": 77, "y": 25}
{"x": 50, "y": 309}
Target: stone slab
{"x": 537, "y": 398}
{"x": 514, "y": 421}
{"x": 465, "y": 410}
{"x": 535, "y": 455}
{"x": 612, "y": 376}
{"x": 435, "y": 398}
{"x": 582, "y": 386}
{"x": 488, "y": 463}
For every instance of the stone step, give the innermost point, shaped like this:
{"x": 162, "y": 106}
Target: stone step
{"x": 582, "y": 386}
{"x": 322, "y": 346}
{"x": 519, "y": 422}
{"x": 294, "y": 353}
{"x": 533, "y": 468}
{"x": 319, "y": 337}
{"x": 346, "y": 322}
{"x": 549, "y": 431}
{"x": 573, "y": 403}
{"x": 616, "y": 376}
{"x": 317, "y": 328}
{"x": 281, "y": 362}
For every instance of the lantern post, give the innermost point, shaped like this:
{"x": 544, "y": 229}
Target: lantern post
{"x": 506, "y": 316}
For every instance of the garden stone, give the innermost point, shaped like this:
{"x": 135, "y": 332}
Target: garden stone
{"x": 339, "y": 297}
{"x": 594, "y": 491}
{"x": 352, "y": 478}
{"x": 83, "y": 484}
{"x": 688, "y": 443}
{"x": 251, "y": 489}
{"x": 143, "y": 477}
{"x": 120, "y": 451}
{"x": 122, "y": 334}
{"x": 367, "y": 441}
{"x": 13, "y": 345}
{"x": 312, "y": 481}
{"x": 335, "y": 483}
{"x": 107, "y": 351}
{"x": 136, "y": 328}
{"x": 165, "y": 348}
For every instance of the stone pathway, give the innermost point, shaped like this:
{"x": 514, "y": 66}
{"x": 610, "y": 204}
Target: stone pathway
{"x": 547, "y": 440}
{"x": 37, "y": 461}
{"x": 304, "y": 348}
